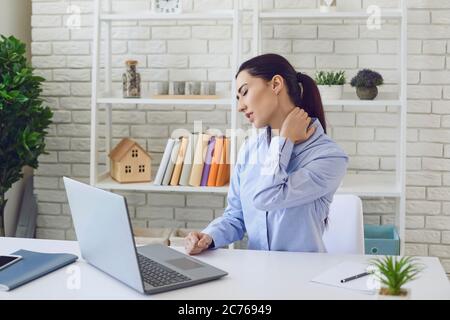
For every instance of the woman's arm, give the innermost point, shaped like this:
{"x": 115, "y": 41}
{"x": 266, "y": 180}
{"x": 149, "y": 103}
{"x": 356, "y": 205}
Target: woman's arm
{"x": 276, "y": 189}
{"x": 230, "y": 226}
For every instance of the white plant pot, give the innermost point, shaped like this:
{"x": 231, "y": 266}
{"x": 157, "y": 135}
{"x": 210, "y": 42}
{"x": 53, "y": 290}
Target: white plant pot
{"x": 14, "y": 196}
{"x": 330, "y": 92}
{"x": 390, "y": 297}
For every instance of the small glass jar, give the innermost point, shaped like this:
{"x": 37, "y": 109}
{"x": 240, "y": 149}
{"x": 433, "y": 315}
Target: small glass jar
{"x": 208, "y": 88}
{"x": 131, "y": 80}
{"x": 192, "y": 88}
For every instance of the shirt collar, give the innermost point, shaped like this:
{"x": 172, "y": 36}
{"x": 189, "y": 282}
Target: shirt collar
{"x": 315, "y": 121}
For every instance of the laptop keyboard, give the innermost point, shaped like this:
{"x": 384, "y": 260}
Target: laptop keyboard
{"x": 157, "y": 274}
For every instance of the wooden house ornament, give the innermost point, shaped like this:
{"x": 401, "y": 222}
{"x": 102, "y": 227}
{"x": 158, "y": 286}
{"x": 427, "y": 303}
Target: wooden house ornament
{"x": 130, "y": 162}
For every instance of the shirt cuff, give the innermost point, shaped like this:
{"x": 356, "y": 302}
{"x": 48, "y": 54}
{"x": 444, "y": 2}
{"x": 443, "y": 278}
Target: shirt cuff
{"x": 210, "y": 231}
{"x": 281, "y": 149}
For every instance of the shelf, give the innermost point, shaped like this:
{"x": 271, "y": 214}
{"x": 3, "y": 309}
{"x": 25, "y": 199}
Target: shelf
{"x": 388, "y": 13}
{"x": 350, "y": 99}
{"x": 189, "y": 100}
{"x": 210, "y": 15}
{"x": 106, "y": 182}
{"x": 370, "y": 185}
{"x": 364, "y": 185}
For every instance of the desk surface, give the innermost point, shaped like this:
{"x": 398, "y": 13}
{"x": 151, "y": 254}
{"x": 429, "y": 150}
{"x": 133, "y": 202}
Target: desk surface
{"x": 252, "y": 275}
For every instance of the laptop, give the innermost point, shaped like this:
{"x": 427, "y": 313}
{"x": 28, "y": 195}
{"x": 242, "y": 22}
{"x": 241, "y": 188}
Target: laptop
{"x": 104, "y": 233}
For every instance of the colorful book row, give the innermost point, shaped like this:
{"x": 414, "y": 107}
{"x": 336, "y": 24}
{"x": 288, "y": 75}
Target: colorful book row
{"x": 198, "y": 160}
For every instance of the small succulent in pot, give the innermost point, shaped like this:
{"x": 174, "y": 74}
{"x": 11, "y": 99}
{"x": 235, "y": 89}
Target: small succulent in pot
{"x": 330, "y": 78}
{"x": 366, "y": 82}
{"x": 330, "y": 84}
{"x": 393, "y": 273}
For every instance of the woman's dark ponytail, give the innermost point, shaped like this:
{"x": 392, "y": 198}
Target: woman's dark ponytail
{"x": 302, "y": 89}
{"x": 311, "y": 100}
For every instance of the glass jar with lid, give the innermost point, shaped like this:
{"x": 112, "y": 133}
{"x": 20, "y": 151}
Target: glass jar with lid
{"x": 131, "y": 80}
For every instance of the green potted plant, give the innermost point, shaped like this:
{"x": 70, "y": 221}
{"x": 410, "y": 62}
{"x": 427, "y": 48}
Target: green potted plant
{"x": 23, "y": 118}
{"x": 366, "y": 82}
{"x": 393, "y": 273}
{"x": 330, "y": 84}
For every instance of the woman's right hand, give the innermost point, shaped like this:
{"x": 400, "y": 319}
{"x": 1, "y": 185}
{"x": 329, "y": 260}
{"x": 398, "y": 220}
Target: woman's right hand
{"x": 295, "y": 126}
{"x": 196, "y": 242}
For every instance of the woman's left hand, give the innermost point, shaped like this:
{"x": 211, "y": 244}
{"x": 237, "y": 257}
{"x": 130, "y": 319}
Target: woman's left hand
{"x": 295, "y": 126}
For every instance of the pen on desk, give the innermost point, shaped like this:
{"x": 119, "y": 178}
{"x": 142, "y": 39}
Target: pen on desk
{"x": 355, "y": 277}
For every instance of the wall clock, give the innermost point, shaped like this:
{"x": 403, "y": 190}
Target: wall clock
{"x": 168, "y": 6}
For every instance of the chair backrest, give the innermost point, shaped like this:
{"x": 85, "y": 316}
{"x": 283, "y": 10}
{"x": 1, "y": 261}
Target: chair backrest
{"x": 345, "y": 231}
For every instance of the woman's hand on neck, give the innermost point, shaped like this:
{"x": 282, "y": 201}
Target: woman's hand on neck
{"x": 285, "y": 106}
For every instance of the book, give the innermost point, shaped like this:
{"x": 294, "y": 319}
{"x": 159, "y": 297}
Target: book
{"x": 33, "y": 265}
{"x": 228, "y": 161}
{"x": 223, "y": 173}
{"x": 199, "y": 159}
{"x": 208, "y": 159}
{"x": 171, "y": 163}
{"x": 215, "y": 162}
{"x": 164, "y": 161}
{"x": 179, "y": 162}
{"x": 188, "y": 160}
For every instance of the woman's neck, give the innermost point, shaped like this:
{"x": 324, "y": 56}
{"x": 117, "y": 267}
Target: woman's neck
{"x": 285, "y": 106}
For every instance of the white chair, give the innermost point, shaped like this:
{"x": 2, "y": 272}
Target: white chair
{"x": 345, "y": 231}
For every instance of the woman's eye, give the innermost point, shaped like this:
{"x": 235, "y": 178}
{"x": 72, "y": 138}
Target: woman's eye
{"x": 245, "y": 93}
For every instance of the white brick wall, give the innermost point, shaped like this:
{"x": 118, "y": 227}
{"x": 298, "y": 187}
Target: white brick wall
{"x": 201, "y": 50}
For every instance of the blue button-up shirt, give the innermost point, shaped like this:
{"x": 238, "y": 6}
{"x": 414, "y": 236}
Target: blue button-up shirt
{"x": 282, "y": 199}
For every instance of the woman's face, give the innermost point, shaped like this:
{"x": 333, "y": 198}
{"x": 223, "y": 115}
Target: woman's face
{"x": 256, "y": 99}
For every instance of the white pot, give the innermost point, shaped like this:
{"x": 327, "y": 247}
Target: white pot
{"x": 331, "y": 92}
{"x": 390, "y": 297}
{"x": 14, "y": 196}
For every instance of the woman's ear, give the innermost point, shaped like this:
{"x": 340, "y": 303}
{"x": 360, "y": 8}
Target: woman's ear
{"x": 277, "y": 84}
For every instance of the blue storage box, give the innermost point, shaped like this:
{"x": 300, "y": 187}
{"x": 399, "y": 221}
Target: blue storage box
{"x": 381, "y": 240}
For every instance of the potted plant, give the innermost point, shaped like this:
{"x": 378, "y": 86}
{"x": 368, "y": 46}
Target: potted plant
{"x": 393, "y": 273}
{"x": 23, "y": 118}
{"x": 366, "y": 82}
{"x": 330, "y": 84}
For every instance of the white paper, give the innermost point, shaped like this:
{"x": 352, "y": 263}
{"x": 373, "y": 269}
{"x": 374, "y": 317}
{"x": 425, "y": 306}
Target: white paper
{"x": 333, "y": 277}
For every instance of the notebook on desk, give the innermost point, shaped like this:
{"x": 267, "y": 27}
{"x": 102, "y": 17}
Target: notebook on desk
{"x": 33, "y": 265}
{"x": 334, "y": 275}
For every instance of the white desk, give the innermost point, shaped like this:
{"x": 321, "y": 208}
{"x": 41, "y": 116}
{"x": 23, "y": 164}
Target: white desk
{"x": 252, "y": 275}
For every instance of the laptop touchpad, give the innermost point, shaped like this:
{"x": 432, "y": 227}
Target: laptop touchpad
{"x": 184, "y": 263}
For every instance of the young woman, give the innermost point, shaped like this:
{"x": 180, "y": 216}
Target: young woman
{"x": 281, "y": 200}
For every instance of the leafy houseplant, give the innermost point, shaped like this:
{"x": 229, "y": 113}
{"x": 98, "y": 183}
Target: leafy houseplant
{"x": 330, "y": 84}
{"x": 366, "y": 82}
{"x": 395, "y": 272}
{"x": 23, "y": 118}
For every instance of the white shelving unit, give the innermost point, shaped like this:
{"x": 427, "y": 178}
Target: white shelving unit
{"x": 372, "y": 184}
{"x": 105, "y": 96}
{"x": 364, "y": 185}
